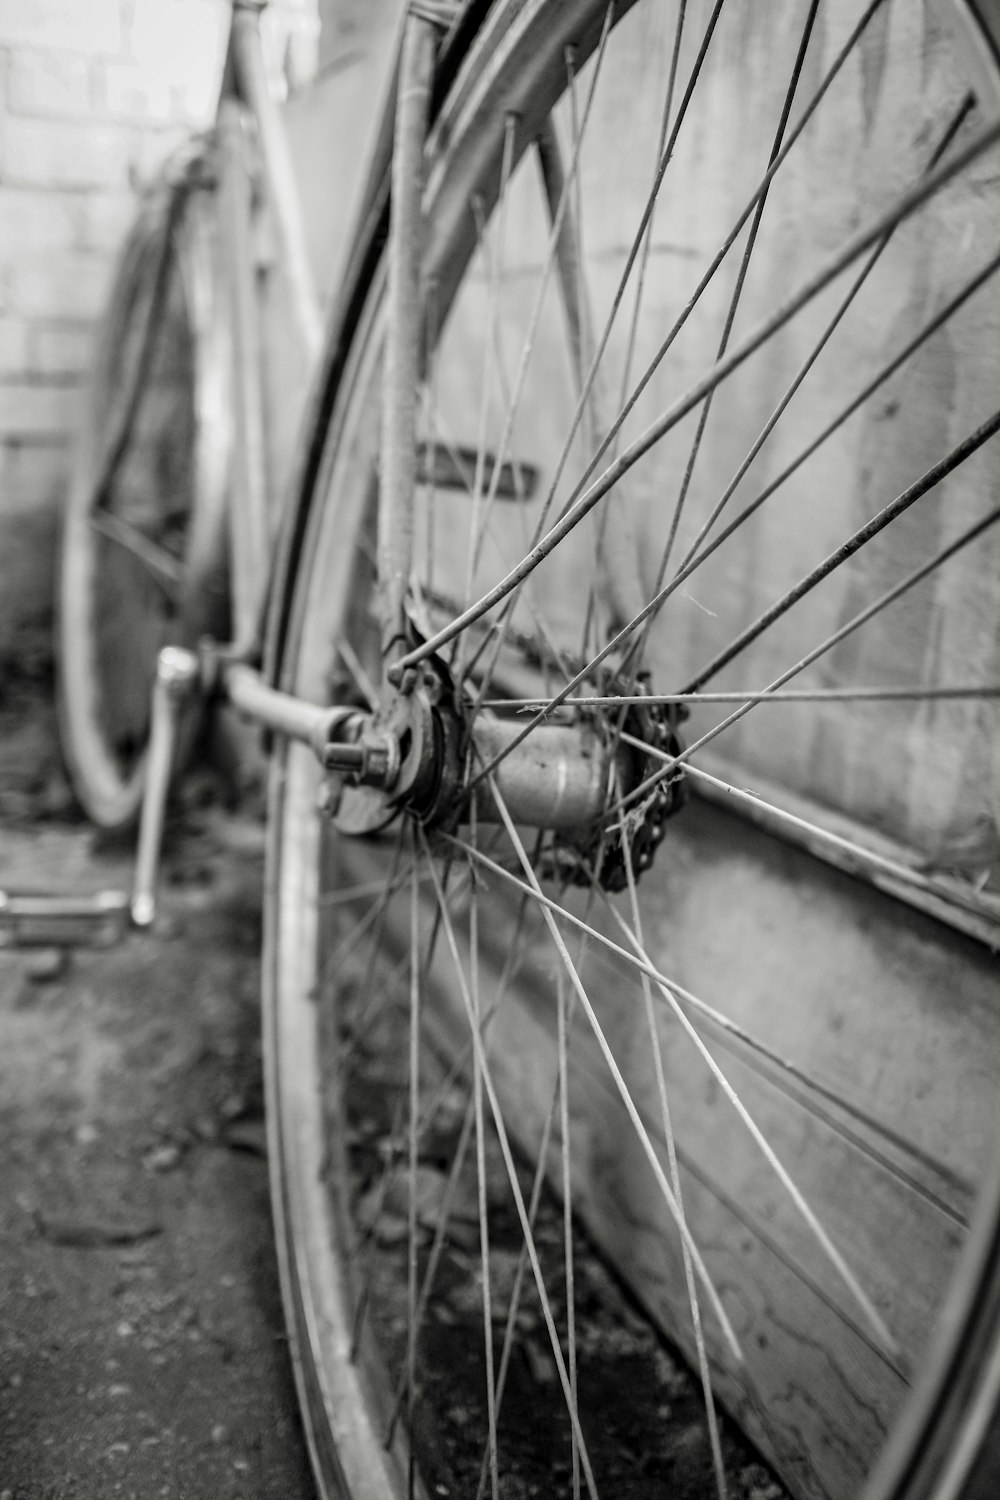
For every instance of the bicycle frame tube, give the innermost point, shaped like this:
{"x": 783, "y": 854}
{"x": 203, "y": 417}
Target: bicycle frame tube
{"x": 248, "y": 520}
{"x": 247, "y": 77}
{"x": 245, "y": 94}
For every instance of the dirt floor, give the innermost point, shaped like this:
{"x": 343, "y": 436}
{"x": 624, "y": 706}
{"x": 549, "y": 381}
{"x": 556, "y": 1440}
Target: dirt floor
{"x": 142, "y": 1345}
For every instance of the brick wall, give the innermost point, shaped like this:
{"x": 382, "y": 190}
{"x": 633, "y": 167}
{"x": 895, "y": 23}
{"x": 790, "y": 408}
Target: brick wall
{"x": 93, "y": 95}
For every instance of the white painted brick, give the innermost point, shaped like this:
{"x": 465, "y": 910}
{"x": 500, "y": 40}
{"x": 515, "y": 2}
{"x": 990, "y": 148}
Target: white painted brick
{"x": 48, "y": 82}
{"x": 32, "y": 474}
{"x": 81, "y": 25}
{"x": 183, "y": 47}
{"x": 195, "y": 97}
{"x": 13, "y": 347}
{"x": 126, "y": 91}
{"x": 31, "y": 410}
{"x": 105, "y": 219}
{"x": 70, "y": 284}
{"x": 32, "y": 220}
{"x": 172, "y": 41}
{"x": 54, "y": 153}
{"x": 59, "y": 350}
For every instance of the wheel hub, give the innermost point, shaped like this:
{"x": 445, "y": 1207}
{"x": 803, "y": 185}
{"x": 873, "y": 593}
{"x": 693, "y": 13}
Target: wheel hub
{"x": 423, "y": 752}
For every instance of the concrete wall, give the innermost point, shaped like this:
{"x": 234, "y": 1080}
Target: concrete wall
{"x": 93, "y": 96}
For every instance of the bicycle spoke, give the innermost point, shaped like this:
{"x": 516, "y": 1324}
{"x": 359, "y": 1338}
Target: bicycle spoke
{"x": 883, "y": 694}
{"x": 161, "y": 565}
{"x": 356, "y": 667}
{"x": 833, "y": 1255}
{"x": 536, "y": 1054}
{"x": 554, "y": 654}
{"x": 832, "y": 640}
{"x": 414, "y": 1075}
{"x": 958, "y": 119}
{"x": 583, "y": 396}
{"x": 647, "y": 232}
{"x": 382, "y": 1001}
{"x": 630, "y": 261}
{"x": 551, "y": 254}
{"x": 351, "y": 940}
{"x": 616, "y": 1074}
{"x": 690, "y": 566}
{"x": 443, "y": 1217}
{"x": 861, "y": 854}
{"x": 667, "y": 989}
{"x": 916, "y": 491}
{"x": 902, "y": 209}
{"x": 538, "y": 1182}
{"x": 430, "y": 419}
{"x": 515, "y": 1185}
{"x": 434, "y": 1259}
{"x": 484, "y": 1232}
{"x": 784, "y": 1067}
{"x": 928, "y": 481}
{"x": 675, "y": 1179}
{"x": 626, "y": 407}
{"x": 726, "y": 246}
{"x": 562, "y": 1085}
{"x": 734, "y": 303}
{"x": 561, "y": 211}
{"x": 490, "y": 358}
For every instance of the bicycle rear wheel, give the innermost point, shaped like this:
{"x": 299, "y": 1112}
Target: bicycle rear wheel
{"x": 142, "y": 542}
{"x": 774, "y": 1129}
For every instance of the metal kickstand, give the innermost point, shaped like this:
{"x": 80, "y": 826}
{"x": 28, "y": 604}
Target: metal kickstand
{"x": 105, "y": 918}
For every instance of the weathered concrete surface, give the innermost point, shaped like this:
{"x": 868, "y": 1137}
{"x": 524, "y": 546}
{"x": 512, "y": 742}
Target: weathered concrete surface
{"x": 142, "y": 1346}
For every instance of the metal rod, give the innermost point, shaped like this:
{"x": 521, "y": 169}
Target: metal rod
{"x": 309, "y": 723}
{"x": 920, "y": 487}
{"x": 248, "y": 529}
{"x": 402, "y": 357}
{"x": 619, "y": 566}
{"x": 177, "y": 676}
{"x": 559, "y": 779}
{"x": 780, "y": 695}
{"x": 282, "y": 193}
{"x": 904, "y": 207}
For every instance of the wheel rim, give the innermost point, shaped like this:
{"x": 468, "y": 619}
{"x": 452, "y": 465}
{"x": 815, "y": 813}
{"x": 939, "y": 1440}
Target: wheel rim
{"x": 294, "y": 1064}
{"x": 140, "y": 562}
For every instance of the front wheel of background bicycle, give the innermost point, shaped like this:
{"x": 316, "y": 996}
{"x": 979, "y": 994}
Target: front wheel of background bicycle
{"x": 839, "y": 968}
{"x": 142, "y": 540}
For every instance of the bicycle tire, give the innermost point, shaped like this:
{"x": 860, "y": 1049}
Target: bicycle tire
{"x": 314, "y": 1199}
{"x": 142, "y": 543}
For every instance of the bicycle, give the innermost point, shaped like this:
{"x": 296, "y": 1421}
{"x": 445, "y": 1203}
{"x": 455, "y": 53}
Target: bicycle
{"x": 434, "y": 1062}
